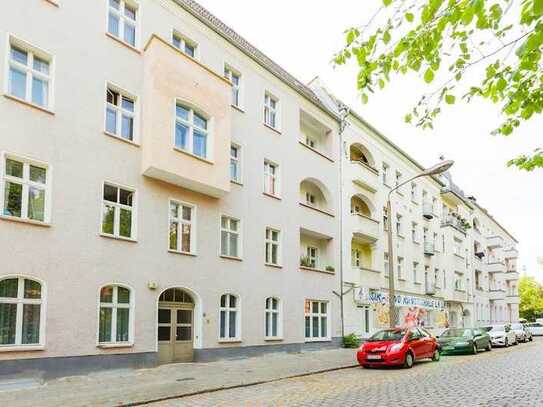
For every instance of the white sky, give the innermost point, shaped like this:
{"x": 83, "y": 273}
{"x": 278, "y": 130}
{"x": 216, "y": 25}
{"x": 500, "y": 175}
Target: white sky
{"x": 302, "y": 36}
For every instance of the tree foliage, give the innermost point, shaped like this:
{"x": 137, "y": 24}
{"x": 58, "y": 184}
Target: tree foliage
{"x": 531, "y": 298}
{"x": 442, "y": 40}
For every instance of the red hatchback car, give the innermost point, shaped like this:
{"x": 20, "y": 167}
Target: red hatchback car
{"x": 398, "y": 347}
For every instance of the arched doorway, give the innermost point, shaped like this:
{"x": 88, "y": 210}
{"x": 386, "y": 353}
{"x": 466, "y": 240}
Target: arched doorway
{"x": 175, "y": 326}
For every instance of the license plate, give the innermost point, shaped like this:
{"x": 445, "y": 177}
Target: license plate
{"x": 448, "y": 347}
{"x": 373, "y": 357}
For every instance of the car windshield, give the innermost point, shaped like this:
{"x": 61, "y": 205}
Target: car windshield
{"x": 387, "y": 335}
{"x": 498, "y": 328}
{"x": 516, "y": 326}
{"x": 457, "y": 332}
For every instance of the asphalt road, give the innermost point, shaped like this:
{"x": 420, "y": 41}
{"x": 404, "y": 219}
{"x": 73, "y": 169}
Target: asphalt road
{"x": 502, "y": 377}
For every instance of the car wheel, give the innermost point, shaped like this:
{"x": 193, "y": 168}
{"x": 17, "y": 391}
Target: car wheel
{"x": 409, "y": 360}
{"x": 474, "y": 350}
{"x": 531, "y": 338}
{"x": 365, "y": 366}
{"x": 436, "y": 355}
{"x": 489, "y": 346}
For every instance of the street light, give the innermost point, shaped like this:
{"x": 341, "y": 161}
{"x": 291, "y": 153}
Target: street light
{"x": 435, "y": 170}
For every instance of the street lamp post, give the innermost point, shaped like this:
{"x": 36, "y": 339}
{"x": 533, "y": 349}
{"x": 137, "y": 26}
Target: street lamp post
{"x": 435, "y": 170}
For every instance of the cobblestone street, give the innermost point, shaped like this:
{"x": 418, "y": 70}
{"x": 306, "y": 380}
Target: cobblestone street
{"x": 502, "y": 377}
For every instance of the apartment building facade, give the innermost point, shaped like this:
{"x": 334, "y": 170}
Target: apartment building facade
{"x": 169, "y": 193}
{"x": 154, "y": 208}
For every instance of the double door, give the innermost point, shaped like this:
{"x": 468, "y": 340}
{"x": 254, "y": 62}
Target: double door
{"x": 175, "y": 333}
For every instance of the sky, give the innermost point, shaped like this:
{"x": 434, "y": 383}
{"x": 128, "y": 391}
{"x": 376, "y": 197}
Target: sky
{"x": 302, "y": 36}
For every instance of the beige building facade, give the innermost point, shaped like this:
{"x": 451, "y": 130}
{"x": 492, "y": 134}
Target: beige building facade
{"x": 170, "y": 194}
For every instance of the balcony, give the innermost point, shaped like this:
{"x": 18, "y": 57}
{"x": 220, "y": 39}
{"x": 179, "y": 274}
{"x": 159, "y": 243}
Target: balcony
{"x": 512, "y": 299}
{"x": 364, "y": 176}
{"x": 510, "y": 254}
{"x": 495, "y": 267}
{"x": 427, "y": 210}
{"x": 365, "y": 229}
{"x": 511, "y": 275}
{"x": 429, "y": 249}
{"x": 430, "y": 288}
{"x": 494, "y": 242}
{"x": 496, "y": 294}
{"x": 171, "y": 77}
{"x": 455, "y": 222}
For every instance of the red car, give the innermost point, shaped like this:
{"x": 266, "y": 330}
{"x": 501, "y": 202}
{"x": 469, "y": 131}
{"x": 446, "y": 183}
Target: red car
{"x": 398, "y": 347}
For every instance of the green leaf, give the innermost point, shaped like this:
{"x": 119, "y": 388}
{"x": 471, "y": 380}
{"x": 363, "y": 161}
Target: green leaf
{"x": 450, "y": 99}
{"x": 387, "y": 2}
{"x": 538, "y": 7}
{"x": 386, "y": 37}
{"x": 429, "y": 75}
{"x": 409, "y": 17}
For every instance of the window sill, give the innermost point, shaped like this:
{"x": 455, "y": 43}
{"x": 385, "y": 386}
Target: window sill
{"x": 316, "y": 209}
{"x": 317, "y": 270}
{"x": 197, "y": 157}
{"x": 459, "y": 256}
{"x": 402, "y": 279}
{"x": 272, "y": 196}
{"x": 236, "y": 182}
{"x": 317, "y": 339}
{"x": 400, "y": 236}
{"x": 414, "y": 202}
{"x": 120, "y": 238}
{"x": 233, "y": 340}
{"x": 115, "y": 345}
{"x": 273, "y": 338}
{"x": 127, "y": 45}
{"x": 238, "y": 108}
{"x": 133, "y": 143}
{"x": 223, "y": 256}
{"x": 182, "y": 253}
{"x": 272, "y": 128}
{"x": 276, "y": 266}
{"x": 416, "y": 242}
{"x": 21, "y": 348}
{"x": 29, "y": 104}
{"x": 417, "y": 283}
{"x": 24, "y": 220}
{"x": 316, "y": 151}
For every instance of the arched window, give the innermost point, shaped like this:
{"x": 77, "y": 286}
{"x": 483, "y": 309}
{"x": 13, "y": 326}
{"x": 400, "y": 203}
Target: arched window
{"x": 273, "y": 318}
{"x": 115, "y": 321}
{"x": 21, "y": 314}
{"x": 229, "y": 318}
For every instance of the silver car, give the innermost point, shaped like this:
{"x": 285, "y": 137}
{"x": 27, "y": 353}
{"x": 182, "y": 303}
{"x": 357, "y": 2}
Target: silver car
{"x": 502, "y": 335}
{"x": 523, "y": 335}
{"x": 535, "y": 328}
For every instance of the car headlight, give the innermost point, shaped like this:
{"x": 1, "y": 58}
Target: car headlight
{"x": 396, "y": 347}
{"x": 498, "y": 337}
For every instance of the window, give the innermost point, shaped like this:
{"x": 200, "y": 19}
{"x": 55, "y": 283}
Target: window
{"x": 120, "y": 113}
{"x": 21, "y": 315}
{"x": 444, "y": 279}
{"x": 235, "y": 163}
{"x": 356, "y": 258}
{"x": 398, "y": 178}
{"x": 272, "y": 246}
{"x": 415, "y": 272}
{"x": 229, "y": 311}
{"x": 385, "y": 218}
{"x": 436, "y": 277}
{"x": 399, "y": 268}
{"x": 310, "y": 199}
{"x": 435, "y": 241}
{"x": 443, "y": 243}
{"x": 310, "y": 141}
{"x": 186, "y": 46}
{"x": 115, "y": 321}
{"x": 457, "y": 247}
{"x": 27, "y": 187}
{"x": 271, "y": 181}
{"x": 273, "y": 318}
{"x": 399, "y": 226}
{"x": 270, "y": 110}
{"x": 384, "y": 174}
{"x": 191, "y": 131}
{"x": 30, "y": 74}
{"x": 316, "y": 320}
{"x": 122, "y": 20}
{"x": 235, "y": 78}
{"x": 434, "y": 205}
{"x": 118, "y": 211}
{"x": 414, "y": 232}
{"x": 230, "y": 237}
{"x": 313, "y": 256}
{"x": 386, "y": 263}
{"x": 413, "y": 192}
{"x": 182, "y": 227}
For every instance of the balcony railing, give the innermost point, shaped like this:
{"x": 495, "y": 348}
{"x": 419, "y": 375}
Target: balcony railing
{"x": 496, "y": 294}
{"x": 429, "y": 249}
{"x": 365, "y": 227}
{"x": 494, "y": 242}
{"x": 427, "y": 210}
{"x": 430, "y": 288}
{"x": 511, "y": 254}
{"x": 495, "y": 266}
{"x": 365, "y": 176}
{"x": 455, "y": 222}
{"x": 512, "y": 275}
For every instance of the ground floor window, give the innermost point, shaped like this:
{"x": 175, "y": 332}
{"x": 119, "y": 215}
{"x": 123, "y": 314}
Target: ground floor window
{"x": 229, "y": 318}
{"x": 115, "y": 309}
{"x": 316, "y": 320}
{"x": 272, "y": 318}
{"x": 20, "y": 311}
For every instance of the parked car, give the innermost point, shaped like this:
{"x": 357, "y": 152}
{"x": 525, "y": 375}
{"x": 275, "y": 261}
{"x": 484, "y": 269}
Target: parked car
{"x": 398, "y": 347}
{"x": 535, "y": 328}
{"x": 502, "y": 335}
{"x": 464, "y": 340}
{"x": 523, "y": 335}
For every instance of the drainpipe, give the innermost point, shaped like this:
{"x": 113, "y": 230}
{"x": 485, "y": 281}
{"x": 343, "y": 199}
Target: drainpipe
{"x": 343, "y": 113}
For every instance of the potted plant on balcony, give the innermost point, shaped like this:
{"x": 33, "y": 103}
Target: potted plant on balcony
{"x": 305, "y": 262}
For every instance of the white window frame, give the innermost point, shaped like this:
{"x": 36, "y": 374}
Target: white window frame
{"x": 180, "y": 221}
{"x": 271, "y": 113}
{"x": 320, "y": 315}
{"x": 238, "y": 162}
{"x": 413, "y": 192}
{"x": 120, "y": 112}
{"x": 27, "y": 184}
{"x": 230, "y": 73}
{"x": 399, "y": 268}
{"x": 114, "y": 305}
{"x": 270, "y": 311}
{"x": 269, "y": 177}
{"x": 312, "y": 254}
{"x": 229, "y": 232}
{"x": 270, "y": 243}
{"x": 398, "y": 179}
{"x": 356, "y": 258}
{"x": 227, "y": 309}
{"x": 414, "y": 232}
{"x": 386, "y": 263}
{"x": 191, "y": 127}
{"x": 399, "y": 225}
{"x": 117, "y": 215}
{"x": 123, "y": 20}
{"x": 32, "y": 51}
{"x": 20, "y": 301}
{"x": 385, "y": 172}
{"x": 183, "y": 42}
{"x": 415, "y": 272}
{"x": 310, "y": 199}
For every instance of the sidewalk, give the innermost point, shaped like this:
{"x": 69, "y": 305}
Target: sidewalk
{"x": 127, "y": 387}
